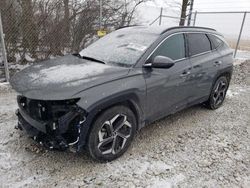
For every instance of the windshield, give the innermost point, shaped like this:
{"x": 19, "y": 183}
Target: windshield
{"x": 122, "y": 47}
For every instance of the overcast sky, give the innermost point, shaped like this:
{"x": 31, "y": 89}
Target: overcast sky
{"x": 228, "y": 24}
{"x": 208, "y": 5}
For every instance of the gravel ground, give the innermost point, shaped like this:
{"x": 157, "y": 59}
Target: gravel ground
{"x": 193, "y": 148}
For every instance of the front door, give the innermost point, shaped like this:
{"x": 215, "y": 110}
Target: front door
{"x": 168, "y": 90}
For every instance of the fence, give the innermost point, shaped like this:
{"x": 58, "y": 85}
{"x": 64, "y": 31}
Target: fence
{"x": 43, "y": 29}
{"x": 47, "y": 30}
{"x": 3, "y": 51}
{"x": 39, "y": 30}
{"x": 235, "y": 26}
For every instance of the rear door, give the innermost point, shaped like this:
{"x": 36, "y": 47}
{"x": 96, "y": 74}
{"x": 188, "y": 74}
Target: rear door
{"x": 205, "y": 63}
{"x": 226, "y": 54}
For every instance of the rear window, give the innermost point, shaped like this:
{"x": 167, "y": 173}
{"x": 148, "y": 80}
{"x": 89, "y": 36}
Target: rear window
{"x": 198, "y": 43}
{"x": 216, "y": 42}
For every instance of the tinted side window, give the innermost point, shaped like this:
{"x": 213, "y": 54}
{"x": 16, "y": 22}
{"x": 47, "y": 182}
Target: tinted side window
{"x": 198, "y": 43}
{"x": 173, "y": 47}
{"x": 216, "y": 42}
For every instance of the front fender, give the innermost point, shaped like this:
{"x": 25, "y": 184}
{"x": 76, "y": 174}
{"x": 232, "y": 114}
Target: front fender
{"x": 131, "y": 89}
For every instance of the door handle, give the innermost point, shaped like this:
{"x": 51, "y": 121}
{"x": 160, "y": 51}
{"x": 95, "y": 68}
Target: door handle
{"x": 217, "y": 63}
{"x": 197, "y": 66}
{"x": 185, "y": 73}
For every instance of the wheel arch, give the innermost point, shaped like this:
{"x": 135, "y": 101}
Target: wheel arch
{"x": 128, "y": 99}
{"x": 131, "y": 103}
{"x": 227, "y": 72}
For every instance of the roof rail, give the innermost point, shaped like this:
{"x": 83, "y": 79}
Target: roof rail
{"x": 128, "y": 26}
{"x": 181, "y": 27}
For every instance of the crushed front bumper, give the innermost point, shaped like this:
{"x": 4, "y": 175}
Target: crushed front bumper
{"x": 59, "y": 129}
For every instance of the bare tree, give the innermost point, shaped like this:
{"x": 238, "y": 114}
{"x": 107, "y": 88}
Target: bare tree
{"x": 184, "y": 6}
{"x": 44, "y": 28}
{"x": 10, "y": 25}
{"x": 121, "y": 13}
{"x": 28, "y": 28}
{"x": 180, "y": 7}
{"x": 66, "y": 21}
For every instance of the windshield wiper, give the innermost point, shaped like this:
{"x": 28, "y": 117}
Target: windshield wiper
{"x": 89, "y": 58}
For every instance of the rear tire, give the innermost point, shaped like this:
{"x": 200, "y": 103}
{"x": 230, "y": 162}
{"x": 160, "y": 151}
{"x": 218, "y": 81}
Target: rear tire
{"x": 218, "y": 93}
{"x": 111, "y": 133}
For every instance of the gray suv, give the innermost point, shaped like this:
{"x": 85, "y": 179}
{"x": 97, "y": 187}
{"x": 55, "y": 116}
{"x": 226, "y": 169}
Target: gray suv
{"x": 99, "y": 98}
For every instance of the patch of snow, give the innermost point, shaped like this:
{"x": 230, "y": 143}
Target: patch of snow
{"x": 136, "y": 47}
{"x": 238, "y": 61}
{"x": 139, "y": 171}
{"x": 4, "y": 84}
{"x": 177, "y": 179}
{"x": 5, "y": 164}
{"x": 140, "y": 167}
{"x": 28, "y": 58}
{"x": 37, "y": 66}
{"x": 243, "y": 55}
{"x": 18, "y": 66}
{"x": 168, "y": 183}
{"x": 161, "y": 183}
{"x": 26, "y": 181}
{"x": 159, "y": 167}
{"x": 53, "y": 57}
{"x": 17, "y": 57}
{"x": 230, "y": 93}
{"x": 237, "y": 91}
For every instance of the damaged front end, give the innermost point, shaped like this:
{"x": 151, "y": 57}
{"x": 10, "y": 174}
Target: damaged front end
{"x": 54, "y": 124}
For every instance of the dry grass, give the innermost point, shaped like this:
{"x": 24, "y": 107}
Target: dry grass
{"x": 243, "y": 45}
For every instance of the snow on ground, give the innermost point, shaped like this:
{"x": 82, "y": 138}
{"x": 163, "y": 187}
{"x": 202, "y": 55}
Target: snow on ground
{"x": 232, "y": 92}
{"x": 4, "y": 86}
{"x": 242, "y": 54}
{"x": 28, "y": 58}
{"x": 196, "y": 147}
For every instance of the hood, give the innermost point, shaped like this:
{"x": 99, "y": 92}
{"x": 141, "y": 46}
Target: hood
{"x": 62, "y": 78}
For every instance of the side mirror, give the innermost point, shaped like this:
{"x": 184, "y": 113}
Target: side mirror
{"x": 161, "y": 62}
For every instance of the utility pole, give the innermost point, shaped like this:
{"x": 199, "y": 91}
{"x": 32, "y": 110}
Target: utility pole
{"x": 195, "y": 15}
{"x": 100, "y": 19}
{"x": 125, "y": 7}
{"x": 241, "y": 29}
{"x": 190, "y": 12}
{"x": 126, "y": 12}
{"x": 7, "y": 75}
{"x": 160, "y": 16}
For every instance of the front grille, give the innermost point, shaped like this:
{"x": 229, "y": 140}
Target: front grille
{"x": 60, "y": 120}
{"x": 46, "y": 110}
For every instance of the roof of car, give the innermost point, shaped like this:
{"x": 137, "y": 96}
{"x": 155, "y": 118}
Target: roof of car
{"x": 162, "y": 29}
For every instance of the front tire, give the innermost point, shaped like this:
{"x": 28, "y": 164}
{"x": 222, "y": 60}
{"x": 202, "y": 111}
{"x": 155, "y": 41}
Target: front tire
{"x": 218, "y": 93}
{"x": 111, "y": 133}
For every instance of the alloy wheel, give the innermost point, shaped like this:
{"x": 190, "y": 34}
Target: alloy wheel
{"x": 113, "y": 135}
{"x": 219, "y": 92}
